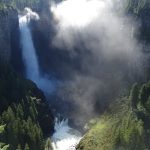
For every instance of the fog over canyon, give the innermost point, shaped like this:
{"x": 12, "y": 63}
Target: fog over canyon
{"x": 77, "y": 57}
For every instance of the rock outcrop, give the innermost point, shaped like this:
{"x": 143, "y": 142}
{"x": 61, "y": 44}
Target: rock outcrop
{"x": 8, "y": 31}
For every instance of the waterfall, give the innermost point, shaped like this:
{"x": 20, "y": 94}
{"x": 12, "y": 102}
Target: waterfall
{"x": 65, "y": 137}
{"x": 28, "y": 50}
{"x": 29, "y": 53}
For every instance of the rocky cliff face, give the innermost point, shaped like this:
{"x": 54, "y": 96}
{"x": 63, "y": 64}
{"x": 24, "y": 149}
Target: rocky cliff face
{"x": 10, "y": 55}
{"x": 8, "y": 31}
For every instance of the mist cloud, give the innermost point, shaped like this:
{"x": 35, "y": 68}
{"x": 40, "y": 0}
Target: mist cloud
{"x": 97, "y": 27}
{"x": 111, "y": 55}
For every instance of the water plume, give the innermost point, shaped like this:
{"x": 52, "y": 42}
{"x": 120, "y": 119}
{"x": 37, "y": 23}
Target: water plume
{"x": 104, "y": 42}
{"x": 65, "y": 137}
{"x": 77, "y": 12}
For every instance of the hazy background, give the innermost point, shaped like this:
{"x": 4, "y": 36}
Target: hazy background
{"x": 97, "y": 52}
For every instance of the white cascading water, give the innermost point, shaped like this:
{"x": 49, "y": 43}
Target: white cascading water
{"x": 65, "y": 137}
{"x": 29, "y": 53}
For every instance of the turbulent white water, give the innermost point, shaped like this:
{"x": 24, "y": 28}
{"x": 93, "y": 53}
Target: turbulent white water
{"x": 65, "y": 137}
{"x": 29, "y": 53}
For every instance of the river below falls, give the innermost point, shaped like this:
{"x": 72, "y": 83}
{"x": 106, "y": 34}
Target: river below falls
{"x": 65, "y": 137}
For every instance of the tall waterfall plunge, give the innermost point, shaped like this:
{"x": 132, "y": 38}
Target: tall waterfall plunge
{"x": 65, "y": 137}
{"x": 29, "y": 53}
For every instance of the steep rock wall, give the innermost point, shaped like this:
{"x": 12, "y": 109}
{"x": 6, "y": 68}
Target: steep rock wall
{"x": 8, "y": 25}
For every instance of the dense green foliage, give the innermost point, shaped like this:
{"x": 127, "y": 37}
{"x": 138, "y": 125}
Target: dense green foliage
{"x": 140, "y": 10}
{"x": 3, "y": 146}
{"x": 5, "y": 8}
{"x": 24, "y": 111}
{"x": 20, "y": 4}
{"x": 22, "y": 127}
{"x": 125, "y": 126}
{"x": 136, "y": 6}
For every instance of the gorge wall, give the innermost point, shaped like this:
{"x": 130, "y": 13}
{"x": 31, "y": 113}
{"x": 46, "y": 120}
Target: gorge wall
{"x": 18, "y": 95}
{"x": 9, "y": 21}
{"x": 9, "y": 37}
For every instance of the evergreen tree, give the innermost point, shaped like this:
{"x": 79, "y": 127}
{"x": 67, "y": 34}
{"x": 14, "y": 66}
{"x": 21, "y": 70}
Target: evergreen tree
{"x": 134, "y": 96}
{"x": 26, "y": 147}
{"x": 19, "y": 147}
{"x": 48, "y": 145}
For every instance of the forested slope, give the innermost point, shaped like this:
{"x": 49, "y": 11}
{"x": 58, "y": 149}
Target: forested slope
{"x": 24, "y": 112}
{"x": 125, "y": 125}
